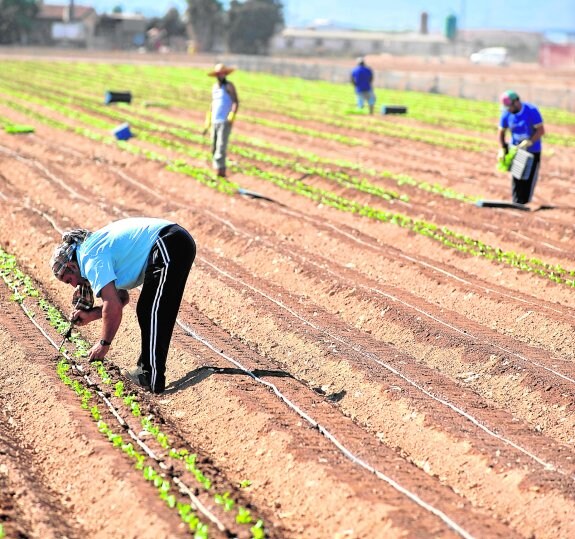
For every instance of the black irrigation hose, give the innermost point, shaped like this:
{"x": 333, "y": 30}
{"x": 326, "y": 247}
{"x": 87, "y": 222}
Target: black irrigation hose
{"x": 253, "y": 194}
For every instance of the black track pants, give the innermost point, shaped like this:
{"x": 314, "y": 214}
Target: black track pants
{"x": 168, "y": 267}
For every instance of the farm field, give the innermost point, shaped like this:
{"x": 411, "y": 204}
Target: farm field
{"x": 361, "y": 352}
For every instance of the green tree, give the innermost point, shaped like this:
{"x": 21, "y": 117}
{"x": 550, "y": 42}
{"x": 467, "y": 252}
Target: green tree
{"x": 172, "y": 23}
{"x": 16, "y": 17}
{"x": 206, "y": 21}
{"x": 252, "y": 24}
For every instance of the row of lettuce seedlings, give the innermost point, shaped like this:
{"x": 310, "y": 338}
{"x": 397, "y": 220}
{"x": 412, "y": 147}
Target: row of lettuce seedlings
{"x": 186, "y": 130}
{"x": 195, "y": 100}
{"x": 183, "y": 132}
{"x": 461, "y": 242}
{"x": 447, "y": 237}
{"x": 75, "y": 93}
{"x": 289, "y": 107}
{"x": 73, "y": 374}
{"x": 470, "y": 115}
{"x": 342, "y": 178}
{"x": 183, "y": 84}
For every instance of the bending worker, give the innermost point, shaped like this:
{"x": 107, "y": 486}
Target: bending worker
{"x": 154, "y": 253}
{"x": 221, "y": 116}
{"x": 526, "y": 125}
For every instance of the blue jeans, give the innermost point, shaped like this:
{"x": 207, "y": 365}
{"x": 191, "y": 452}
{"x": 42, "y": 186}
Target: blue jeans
{"x": 362, "y": 97}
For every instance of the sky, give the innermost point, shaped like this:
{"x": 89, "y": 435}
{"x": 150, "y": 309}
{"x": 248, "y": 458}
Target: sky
{"x": 527, "y": 15}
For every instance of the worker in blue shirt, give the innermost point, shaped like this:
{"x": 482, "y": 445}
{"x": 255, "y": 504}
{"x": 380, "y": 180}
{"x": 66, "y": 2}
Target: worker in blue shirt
{"x": 154, "y": 253}
{"x": 526, "y": 125}
{"x": 362, "y": 79}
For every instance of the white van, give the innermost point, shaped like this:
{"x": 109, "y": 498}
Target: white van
{"x": 495, "y": 56}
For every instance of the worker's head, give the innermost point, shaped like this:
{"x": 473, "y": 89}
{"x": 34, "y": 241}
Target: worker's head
{"x": 63, "y": 261}
{"x": 360, "y": 60}
{"x": 510, "y": 101}
{"x": 221, "y": 71}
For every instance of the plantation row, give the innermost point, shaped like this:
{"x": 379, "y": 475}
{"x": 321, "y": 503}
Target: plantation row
{"x": 156, "y": 134}
{"x": 392, "y": 426}
{"x": 159, "y": 464}
{"x": 381, "y": 476}
{"x": 377, "y": 356}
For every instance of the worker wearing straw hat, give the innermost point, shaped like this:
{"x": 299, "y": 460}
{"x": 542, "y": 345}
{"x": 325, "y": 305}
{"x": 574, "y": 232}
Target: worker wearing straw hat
{"x": 220, "y": 117}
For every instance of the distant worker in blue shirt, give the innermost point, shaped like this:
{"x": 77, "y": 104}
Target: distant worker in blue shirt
{"x": 526, "y": 125}
{"x": 362, "y": 79}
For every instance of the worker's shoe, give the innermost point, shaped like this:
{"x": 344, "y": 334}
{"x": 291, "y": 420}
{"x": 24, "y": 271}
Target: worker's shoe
{"x": 138, "y": 377}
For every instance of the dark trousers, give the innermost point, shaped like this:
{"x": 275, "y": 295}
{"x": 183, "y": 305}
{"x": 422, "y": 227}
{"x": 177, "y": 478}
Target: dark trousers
{"x": 522, "y": 190}
{"x": 165, "y": 278}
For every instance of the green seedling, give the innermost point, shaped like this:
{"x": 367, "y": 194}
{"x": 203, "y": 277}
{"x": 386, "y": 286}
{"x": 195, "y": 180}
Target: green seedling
{"x": 244, "y": 516}
{"x": 258, "y": 530}
{"x": 225, "y": 501}
{"x": 9, "y": 273}
{"x": 119, "y": 389}
{"x": 95, "y": 413}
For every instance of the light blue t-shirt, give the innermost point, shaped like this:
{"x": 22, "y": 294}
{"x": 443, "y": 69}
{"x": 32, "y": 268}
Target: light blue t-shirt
{"x": 119, "y": 252}
{"x": 522, "y": 124}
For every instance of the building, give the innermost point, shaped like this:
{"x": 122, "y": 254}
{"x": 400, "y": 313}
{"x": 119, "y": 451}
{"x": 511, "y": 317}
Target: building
{"x": 119, "y": 31}
{"x": 80, "y": 26}
{"x": 330, "y": 41}
{"x": 557, "y": 55}
{"x": 334, "y": 42}
{"x": 63, "y": 25}
{"x": 521, "y": 46}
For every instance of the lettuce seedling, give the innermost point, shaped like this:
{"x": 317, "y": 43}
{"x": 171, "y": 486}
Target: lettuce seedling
{"x": 244, "y": 516}
{"x": 258, "y": 531}
{"x": 225, "y": 501}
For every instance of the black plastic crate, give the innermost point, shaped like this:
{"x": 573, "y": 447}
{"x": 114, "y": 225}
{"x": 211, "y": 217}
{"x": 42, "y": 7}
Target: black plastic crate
{"x": 393, "y": 109}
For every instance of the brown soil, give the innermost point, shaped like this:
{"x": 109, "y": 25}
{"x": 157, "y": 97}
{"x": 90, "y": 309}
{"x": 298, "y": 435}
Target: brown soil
{"x": 435, "y": 390}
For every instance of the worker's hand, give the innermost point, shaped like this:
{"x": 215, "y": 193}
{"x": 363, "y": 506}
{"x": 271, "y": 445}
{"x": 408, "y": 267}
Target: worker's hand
{"x": 501, "y": 154}
{"x": 98, "y": 352}
{"x": 524, "y": 144}
{"x": 231, "y": 117}
{"x": 81, "y": 317}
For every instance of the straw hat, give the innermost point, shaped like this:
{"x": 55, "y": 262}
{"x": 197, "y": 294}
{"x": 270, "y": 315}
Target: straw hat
{"x": 220, "y": 69}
